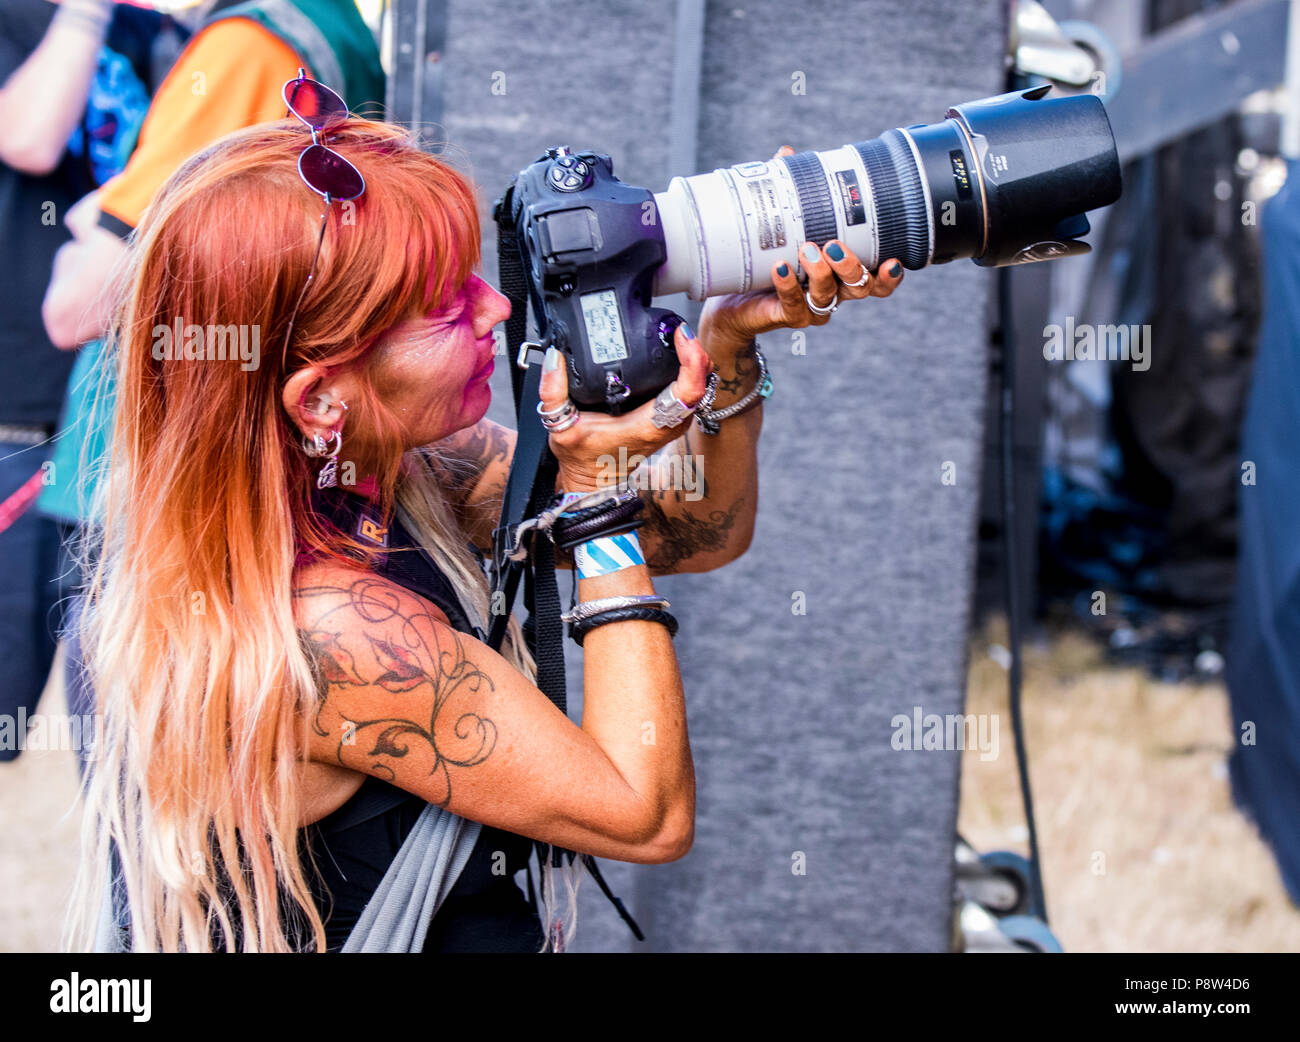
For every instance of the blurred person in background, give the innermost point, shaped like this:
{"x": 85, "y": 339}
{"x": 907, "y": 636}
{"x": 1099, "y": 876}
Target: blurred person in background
{"x": 75, "y": 86}
{"x": 228, "y": 77}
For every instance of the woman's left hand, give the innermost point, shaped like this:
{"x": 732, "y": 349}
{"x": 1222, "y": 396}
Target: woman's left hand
{"x": 728, "y": 324}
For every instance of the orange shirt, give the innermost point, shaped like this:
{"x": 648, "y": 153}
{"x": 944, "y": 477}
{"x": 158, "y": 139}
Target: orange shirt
{"x": 228, "y": 77}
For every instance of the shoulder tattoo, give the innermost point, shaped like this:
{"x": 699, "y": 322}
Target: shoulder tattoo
{"x": 365, "y": 635}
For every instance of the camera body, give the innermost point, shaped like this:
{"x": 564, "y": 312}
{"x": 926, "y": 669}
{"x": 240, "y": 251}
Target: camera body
{"x": 591, "y": 246}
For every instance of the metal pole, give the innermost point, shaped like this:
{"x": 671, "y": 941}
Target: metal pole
{"x": 1291, "y": 113}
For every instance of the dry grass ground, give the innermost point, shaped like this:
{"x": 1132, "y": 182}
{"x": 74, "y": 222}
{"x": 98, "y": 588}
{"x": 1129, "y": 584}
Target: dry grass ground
{"x": 38, "y": 838}
{"x": 1142, "y": 848}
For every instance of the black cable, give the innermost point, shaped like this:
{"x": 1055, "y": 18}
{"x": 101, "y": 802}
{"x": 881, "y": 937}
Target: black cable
{"x": 1011, "y": 576}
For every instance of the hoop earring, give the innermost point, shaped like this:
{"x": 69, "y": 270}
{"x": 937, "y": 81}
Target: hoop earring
{"x": 329, "y": 474}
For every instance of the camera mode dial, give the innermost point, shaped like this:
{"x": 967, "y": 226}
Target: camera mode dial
{"x": 568, "y": 173}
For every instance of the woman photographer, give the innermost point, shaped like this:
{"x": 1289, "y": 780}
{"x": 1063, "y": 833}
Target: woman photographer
{"x": 281, "y": 699}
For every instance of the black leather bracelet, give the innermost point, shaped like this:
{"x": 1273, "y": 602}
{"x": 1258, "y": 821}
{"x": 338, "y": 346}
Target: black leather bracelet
{"x": 595, "y": 522}
{"x": 571, "y": 517}
{"x": 579, "y": 630}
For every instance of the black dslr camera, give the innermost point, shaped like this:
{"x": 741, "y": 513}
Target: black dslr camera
{"x": 590, "y": 247}
{"x": 1004, "y": 180}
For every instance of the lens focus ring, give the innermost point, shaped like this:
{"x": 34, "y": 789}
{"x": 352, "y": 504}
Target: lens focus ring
{"x": 899, "y": 199}
{"x": 814, "y": 197}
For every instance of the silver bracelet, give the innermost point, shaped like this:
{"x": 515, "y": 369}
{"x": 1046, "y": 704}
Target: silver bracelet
{"x": 709, "y": 419}
{"x": 587, "y": 609}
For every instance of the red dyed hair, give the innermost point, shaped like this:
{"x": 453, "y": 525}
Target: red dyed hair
{"x": 188, "y": 627}
{"x": 230, "y": 240}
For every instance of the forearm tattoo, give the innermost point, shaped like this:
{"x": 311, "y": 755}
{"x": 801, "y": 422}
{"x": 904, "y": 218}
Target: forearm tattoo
{"x": 744, "y": 367}
{"x": 417, "y": 657}
{"x": 684, "y": 534}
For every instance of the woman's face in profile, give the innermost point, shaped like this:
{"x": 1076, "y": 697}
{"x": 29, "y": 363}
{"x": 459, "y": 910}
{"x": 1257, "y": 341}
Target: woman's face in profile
{"x": 433, "y": 371}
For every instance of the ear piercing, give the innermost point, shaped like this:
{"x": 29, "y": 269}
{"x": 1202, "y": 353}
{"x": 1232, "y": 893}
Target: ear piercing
{"x": 322, "y": 403}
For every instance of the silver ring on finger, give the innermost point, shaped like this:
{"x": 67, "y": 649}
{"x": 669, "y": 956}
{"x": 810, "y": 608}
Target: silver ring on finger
{"x": 829, "y": 309}
{"x": 559, "y": 412}
{"x": 866, "y": 277}
{"x": 669, "y": 410}
{"x": 563, "y": 423}
{"x": 559, "y": 419}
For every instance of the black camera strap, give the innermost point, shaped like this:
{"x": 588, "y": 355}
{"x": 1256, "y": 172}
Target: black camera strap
{"x": 529, "y": 490}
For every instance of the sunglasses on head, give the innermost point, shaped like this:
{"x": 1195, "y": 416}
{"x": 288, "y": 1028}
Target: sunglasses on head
{"x": 322, "y": 169}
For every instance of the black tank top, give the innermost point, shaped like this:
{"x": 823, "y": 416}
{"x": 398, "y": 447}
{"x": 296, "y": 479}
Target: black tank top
{"x": 353, "y": 847}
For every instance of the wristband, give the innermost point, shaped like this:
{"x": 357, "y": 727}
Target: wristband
{"x": 608, "y": 554}
{"x": 570, "y": 531}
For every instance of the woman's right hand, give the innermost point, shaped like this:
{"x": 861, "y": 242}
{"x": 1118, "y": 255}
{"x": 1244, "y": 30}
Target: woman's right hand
{"x": 588, "y": 452}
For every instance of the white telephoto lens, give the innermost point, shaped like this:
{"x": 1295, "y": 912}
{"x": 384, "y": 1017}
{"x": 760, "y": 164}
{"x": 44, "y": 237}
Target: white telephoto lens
{"x": 725, "y": 231}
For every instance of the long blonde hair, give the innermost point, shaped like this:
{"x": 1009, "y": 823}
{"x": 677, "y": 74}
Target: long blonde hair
{"x": 187, "y": 630}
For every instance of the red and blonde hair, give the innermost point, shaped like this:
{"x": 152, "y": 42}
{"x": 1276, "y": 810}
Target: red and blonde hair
{"x": 188, "y": 629}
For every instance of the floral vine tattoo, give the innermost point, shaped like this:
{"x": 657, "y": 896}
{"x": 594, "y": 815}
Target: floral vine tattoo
{"x": 415, "y": 656}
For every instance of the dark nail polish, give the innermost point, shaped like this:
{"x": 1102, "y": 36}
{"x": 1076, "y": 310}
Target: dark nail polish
{"x": 834, "y": 252}
{"x": 896, "y": 270}
{"x": 783, "y": 270}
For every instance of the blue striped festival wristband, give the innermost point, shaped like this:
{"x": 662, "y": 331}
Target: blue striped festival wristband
{"x": 607, "y": 554}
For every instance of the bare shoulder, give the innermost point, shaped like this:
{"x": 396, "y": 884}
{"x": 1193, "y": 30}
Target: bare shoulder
{"x": 330, "y": 597}
{"x": 333, "y": 605}
{"x": 385, "y": 658}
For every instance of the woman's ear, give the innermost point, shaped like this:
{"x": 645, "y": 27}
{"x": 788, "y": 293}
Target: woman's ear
{"x": 314, "y": 401}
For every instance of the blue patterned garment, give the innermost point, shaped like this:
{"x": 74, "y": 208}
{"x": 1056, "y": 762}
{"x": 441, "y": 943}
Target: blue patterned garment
{"x": 115, "y": 109}
{"x": 119, "y": 94}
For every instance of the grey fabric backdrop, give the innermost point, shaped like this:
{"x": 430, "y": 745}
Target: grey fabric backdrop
{"x": 789, "y": 715}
